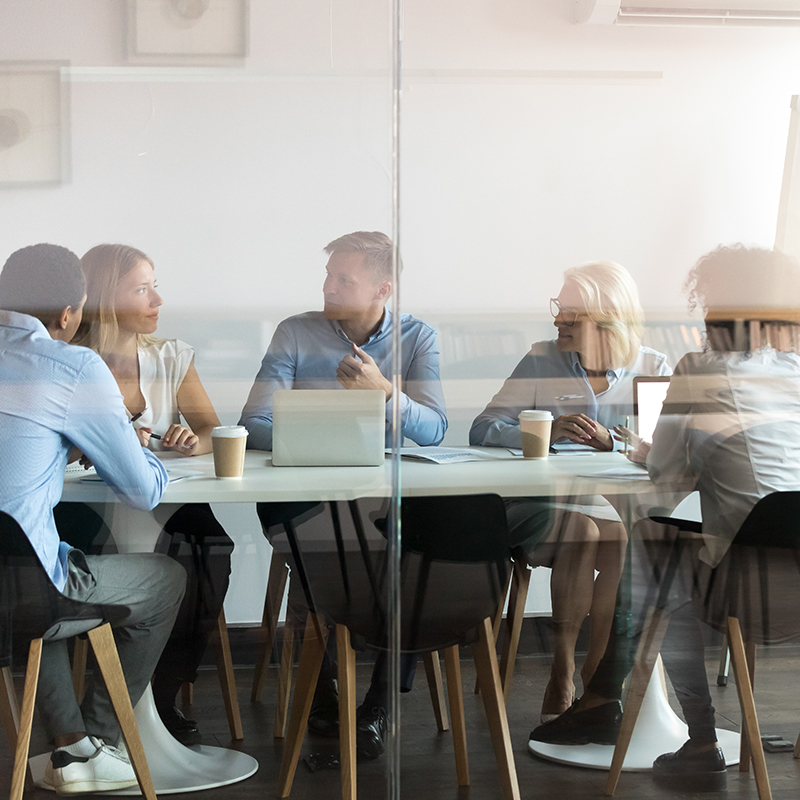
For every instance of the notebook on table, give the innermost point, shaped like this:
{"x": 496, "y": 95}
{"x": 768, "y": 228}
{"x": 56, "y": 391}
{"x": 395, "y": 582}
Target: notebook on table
{"x": 328, "y": 428}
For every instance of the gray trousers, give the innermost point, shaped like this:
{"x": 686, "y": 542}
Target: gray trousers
{"x": 140, "y": 595}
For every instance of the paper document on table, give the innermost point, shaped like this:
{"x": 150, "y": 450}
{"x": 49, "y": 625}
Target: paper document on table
{"x": 569, "y": 449}
{"x": 172, "y": 473}
{"x": 76, "y": 468}
{"x": 626, "y": 473}
{"x": 574, "y": 449}
{"x": 172, "y": 459}
{"x": 444, "y": 455}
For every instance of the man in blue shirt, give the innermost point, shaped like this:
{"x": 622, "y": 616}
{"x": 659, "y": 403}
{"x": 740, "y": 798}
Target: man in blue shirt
{"x": 349, "y": 345}
{"x": 54, "y": 397}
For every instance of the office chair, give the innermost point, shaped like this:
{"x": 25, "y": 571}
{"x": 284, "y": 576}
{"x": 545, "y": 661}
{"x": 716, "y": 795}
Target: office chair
{"x": 288, "y": 516}
{"x": 454, "y": 565}
{"x": 753, "y": 598}
{"x": 32, "y": 608}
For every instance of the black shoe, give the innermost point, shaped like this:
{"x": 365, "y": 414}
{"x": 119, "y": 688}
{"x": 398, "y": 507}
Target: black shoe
{"x": 598, "y": 725}
{"x": 371, "y": 724}
{"x": 323, "y": 719}
{"x": 184, "y": 730}
{"x": 690, "y": 771}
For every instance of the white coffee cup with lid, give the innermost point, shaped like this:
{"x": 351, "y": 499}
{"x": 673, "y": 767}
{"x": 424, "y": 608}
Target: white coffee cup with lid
{"x": 228, "y": 443}
{"x": 535, "y": 427}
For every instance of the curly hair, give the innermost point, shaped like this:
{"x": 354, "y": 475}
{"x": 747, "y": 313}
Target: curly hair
{"x": 750, "y": 297}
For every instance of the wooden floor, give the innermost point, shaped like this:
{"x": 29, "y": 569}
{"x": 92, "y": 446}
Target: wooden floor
{"x": 428, "y": 767}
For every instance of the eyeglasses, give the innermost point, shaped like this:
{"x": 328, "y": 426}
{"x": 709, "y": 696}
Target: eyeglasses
{"x": 569, "y": 315}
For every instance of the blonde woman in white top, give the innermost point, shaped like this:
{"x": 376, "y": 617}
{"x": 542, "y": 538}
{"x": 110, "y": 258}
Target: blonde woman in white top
{"x": 158, "y": 381}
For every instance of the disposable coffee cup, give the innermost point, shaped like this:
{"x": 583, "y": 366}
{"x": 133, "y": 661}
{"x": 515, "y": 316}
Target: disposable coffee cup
{"x": 228, "y": 443}
{"x": 535, "y": 427}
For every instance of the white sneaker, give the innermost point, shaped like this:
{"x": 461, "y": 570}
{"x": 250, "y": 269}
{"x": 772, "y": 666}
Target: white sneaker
{"x": 108, "y": 768}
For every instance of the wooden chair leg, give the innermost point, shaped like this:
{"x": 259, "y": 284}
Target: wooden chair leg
{"x": 10, "y": 714}
{"x": 187, "y": 693}
{"x": 26, "y": 720}
{"x": 105, "y": 652}
{"x": 452, "y": 666}
{"x": 276, "y": 586}
{"x": 744, "y": 741}
{"x": 646, "y": 655}
{"x": 346, "y": 657}
{"x": 433, "y": 671}
{"x": 495, "y": 707}
{"x": 497, "y": 621}
{"x": 311, "y": 656}
{"x": 79, "y": 655}
{"x": 227, "y": 680}
{"x": 749, "y": 719}
{"x": 724, "y": 664}
{"x": 514, "y": 618}
{"x": 285, "y": 678}
{"x": 9, "y": 707}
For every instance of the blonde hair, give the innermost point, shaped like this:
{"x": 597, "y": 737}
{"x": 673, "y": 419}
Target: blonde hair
{"x": 612, "y": 303}
{"x": 104, "y": 267}
{"x": 377, "y": 249}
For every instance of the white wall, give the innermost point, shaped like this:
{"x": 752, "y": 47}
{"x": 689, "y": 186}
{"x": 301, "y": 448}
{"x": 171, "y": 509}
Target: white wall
{"x": 234, "y": 182}
{"x": 529, "y": 144}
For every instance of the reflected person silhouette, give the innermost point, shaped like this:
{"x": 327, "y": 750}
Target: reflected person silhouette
{"x": 730, "y": 426}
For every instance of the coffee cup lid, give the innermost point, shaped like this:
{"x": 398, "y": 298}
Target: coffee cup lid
{"x": 228, "y": 432}
{"x": 535, "y": 415}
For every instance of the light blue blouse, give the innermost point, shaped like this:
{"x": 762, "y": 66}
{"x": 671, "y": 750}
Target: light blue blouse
{"x": 547, "y": 379}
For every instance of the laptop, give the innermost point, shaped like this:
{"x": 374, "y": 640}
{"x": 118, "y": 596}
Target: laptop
{"x": 648, "y": 397}
{"x": 328, "y": 428}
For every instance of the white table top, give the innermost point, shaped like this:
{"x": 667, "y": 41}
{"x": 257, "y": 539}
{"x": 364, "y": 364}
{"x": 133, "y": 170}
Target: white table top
{"x": 507, "y": 475}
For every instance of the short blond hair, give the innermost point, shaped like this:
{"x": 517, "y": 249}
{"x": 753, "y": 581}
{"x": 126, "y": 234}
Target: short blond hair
{"x": 612, "y": 303}
{"x": 377, "y": 248}
{"x": 104, "y": 267}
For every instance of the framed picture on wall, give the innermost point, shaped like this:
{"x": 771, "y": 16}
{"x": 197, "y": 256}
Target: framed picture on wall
{"x": 34, "y": 124}
{"x": 188, "y": 32}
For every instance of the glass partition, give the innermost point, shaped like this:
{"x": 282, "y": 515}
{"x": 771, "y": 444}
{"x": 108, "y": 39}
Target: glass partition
{"x": 533, "y": 142}
{"x": 229, "y": 142}
{"x": 496, "y": 146}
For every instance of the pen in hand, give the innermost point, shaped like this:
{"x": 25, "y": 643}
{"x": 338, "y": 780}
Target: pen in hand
{"x": 159, "y": 437}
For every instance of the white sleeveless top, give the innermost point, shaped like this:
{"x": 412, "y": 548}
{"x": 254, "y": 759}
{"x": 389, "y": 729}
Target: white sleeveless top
{"x": 162, "y": 368}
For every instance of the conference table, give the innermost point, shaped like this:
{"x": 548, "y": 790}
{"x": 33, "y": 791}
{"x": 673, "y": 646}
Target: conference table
{"x": 176, "y": 768}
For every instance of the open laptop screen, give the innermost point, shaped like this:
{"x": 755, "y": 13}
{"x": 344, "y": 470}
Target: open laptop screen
{"x": 328, "y": 427}
{"x": 648, "y": 397}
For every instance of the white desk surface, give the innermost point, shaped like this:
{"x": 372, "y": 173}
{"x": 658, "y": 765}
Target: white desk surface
{"x": 560, "y": 475}
{"x": 506, "y": 475}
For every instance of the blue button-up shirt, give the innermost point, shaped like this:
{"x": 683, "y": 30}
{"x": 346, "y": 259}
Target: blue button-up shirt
{"x": 550, "y": 380}
{"x": 305, "y": 352}
{"x": 53, "y": 396}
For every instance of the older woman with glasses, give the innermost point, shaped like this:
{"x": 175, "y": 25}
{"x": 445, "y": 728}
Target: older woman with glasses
{"x": 584, "y": 377}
